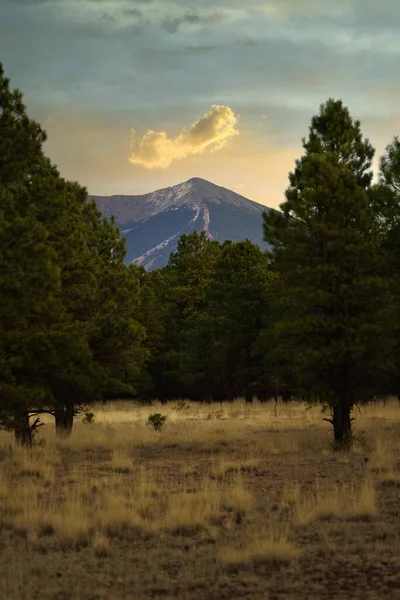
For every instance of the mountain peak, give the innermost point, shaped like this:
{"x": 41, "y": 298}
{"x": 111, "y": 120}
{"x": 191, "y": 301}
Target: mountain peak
{"x": 152, "y": 223}
{"x": 198, "y": 181}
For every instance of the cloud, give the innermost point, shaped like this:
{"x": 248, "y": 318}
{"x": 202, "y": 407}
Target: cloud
{"x": 211, "y": 132}
{"x": 193, "y": 18}
{"x": 29, "y": 2}
{"x": 132, "y": 12}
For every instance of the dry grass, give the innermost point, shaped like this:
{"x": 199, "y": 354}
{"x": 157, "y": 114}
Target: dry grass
{"x": 264, "y": 551}
{"x": 390, "y": 479}
{"x": 345, "y": 502}
{"x": 121, "y": 461}
{"x": 271, "y": 548}
{"x": 222, "y": 487}
{"x": 107, "y": 506}
{"x": 223, "y": 466}
{"x": 100, "y": 544}
{"x": 382, "y": 458}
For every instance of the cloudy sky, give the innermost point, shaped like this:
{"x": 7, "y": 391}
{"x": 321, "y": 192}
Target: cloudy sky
{"x": 140, "y": 94}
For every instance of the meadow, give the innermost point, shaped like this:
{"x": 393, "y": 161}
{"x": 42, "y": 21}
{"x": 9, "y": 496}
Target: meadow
{"x": 227, "y": 501}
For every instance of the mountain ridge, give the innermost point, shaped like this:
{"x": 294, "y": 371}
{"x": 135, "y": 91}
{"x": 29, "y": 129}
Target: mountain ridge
{"x": 152, "y": 223}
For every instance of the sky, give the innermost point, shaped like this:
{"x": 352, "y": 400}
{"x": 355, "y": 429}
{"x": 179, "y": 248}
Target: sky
{"x": 137, "y": 95}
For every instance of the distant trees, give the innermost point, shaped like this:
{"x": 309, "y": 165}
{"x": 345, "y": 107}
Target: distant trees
{"x": 203, "y": 314}
{"x": 334, "y": 325}
{"x": 218, "y": 356}
{"x": 174, "y": 299}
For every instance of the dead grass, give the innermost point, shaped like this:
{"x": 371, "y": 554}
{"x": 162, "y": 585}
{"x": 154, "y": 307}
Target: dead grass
{"x": 121, "y": 460}
{"x": 221, "y": 488}
{"x": 390, "y": 479}
{"x": 345, "y": 502}
{"x": 224, "y": 466}
{"x": 271, "y": 548}
{"x": 382, "y": 458}
{"x": 100, "y": 545}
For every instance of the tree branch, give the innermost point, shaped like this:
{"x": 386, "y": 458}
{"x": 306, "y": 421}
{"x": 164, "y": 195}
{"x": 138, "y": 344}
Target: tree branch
{"x": 38, "y": 411}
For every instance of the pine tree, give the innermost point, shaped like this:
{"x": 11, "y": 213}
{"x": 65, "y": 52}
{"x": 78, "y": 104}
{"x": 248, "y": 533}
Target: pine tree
{"x": 188, "y": 273}
{"x": 29, "y": 312}
{"x": 90, "y": 342}
{"x": 334, "y": 307}
{"x": 30, "y": 280}
{"x": 385, "y": 201}
{"x": 218, "y": 358}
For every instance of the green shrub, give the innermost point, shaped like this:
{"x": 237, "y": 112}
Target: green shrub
{"x": 157, "y": 421}
{"x": 88, "y": 419}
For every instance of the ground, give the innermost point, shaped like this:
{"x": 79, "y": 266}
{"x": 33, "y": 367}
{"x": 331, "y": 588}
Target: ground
{"x": 227, "y": 501}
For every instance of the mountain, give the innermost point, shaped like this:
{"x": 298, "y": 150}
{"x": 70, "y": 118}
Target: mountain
{"x": 152, "y": 223}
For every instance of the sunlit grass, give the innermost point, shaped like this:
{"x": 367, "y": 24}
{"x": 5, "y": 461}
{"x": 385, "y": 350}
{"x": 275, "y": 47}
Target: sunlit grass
{"x": 340, "y": 501}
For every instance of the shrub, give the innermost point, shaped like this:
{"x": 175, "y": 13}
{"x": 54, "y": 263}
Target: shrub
{"x": 88, "y": 419}
{"x": 157, "y": 421}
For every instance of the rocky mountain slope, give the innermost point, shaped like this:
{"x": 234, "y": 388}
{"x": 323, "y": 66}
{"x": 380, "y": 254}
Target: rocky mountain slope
{"x": 152, "y": 223}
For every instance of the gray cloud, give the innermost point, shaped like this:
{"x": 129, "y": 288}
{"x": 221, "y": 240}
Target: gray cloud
{"x": 193, "y": 18}
{"x": 27, "y": 2}
{"x": 132, "y": 12}
{"x": 106, "y": 17}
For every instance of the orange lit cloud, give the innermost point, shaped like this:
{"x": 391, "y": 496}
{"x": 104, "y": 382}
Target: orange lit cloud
{"x": 210, "y": 132}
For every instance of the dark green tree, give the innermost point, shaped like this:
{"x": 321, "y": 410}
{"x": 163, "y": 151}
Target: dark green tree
{"x": 172, "y": 298}
{"x": 218, "y": 358}
{"x": 334, "y": 312}
{"x": 189, "y": 271}
{"x": 385, "y": 202}
{"x": 155, "y": 316}
{"x": 30, "y": 310}
{"x": 90, "y": 340}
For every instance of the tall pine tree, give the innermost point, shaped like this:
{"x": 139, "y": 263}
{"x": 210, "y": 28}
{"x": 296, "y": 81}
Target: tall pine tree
{"x": 333, "y": 327}
{"x": 63, "y": 285}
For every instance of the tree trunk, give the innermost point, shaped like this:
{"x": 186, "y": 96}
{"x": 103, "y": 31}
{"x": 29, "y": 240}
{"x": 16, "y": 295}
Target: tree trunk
{"x": 64, "y": 416}
{"x": 342, "y": 425}
{"x": 23, "y": 432}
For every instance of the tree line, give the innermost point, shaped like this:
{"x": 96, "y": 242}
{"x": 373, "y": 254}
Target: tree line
{"x": 316, "y": 317}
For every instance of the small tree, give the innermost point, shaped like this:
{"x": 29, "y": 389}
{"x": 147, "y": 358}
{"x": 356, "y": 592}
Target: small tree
{"x": 334, "y": 308}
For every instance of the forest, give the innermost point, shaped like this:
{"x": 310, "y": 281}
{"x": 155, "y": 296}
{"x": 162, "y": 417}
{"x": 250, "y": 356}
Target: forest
{"x": 315, "y": 318}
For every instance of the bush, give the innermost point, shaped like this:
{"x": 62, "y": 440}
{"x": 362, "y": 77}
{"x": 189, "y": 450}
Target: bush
{"x": 88, "y": 419}
{"x": 157, "y": 421}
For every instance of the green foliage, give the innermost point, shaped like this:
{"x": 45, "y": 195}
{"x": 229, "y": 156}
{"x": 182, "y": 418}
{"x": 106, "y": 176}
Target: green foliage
{"x": 171, "y": 298}
{"x": 203, "y": 314}
{"x": 333, "y": 306}
{"x": 157, "y": 421}
{"x": 390, "y": 166}
{"x": 68, "y": 304}
{"x": 334, "y": 133}
{"x": 385, "y": 202}
{"x": 88, "y": 419}
{"x": 218, "y": 358}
